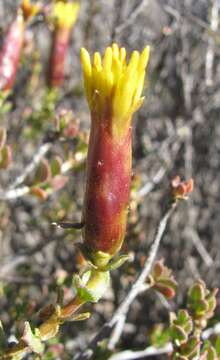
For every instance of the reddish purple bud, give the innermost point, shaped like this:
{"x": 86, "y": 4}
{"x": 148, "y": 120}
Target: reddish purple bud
{"x": 58, "y": 54}
{"x": 64, "y": 15}
{"x": 10, "y": 53}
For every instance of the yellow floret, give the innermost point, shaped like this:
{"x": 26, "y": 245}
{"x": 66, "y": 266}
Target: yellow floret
{"x": 65, "y": 13}
{"x": 111, "y": 82}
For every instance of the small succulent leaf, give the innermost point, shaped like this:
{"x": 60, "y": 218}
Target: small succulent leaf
{"x": 166, "y": 291}
{"x": 85, "y": 295}
{"x": 211, "y": 354}
{"x": 86, "y": 276}
{"x": 159, "y": 336}
{"x": 184, "y": 320}
{"x": 51, "y": 328}
{"x": 173, "y": 317}
{"x": 79, "y": 317}
{"x": 60, "y": 296}
{"x": 32, "y": 340}
{"x": 77, "y": 281}
{"x": 43, "y": 173}
{"x": 92, "y": 286}
{"x": 168, "y": 282}
{"x": 117, "y": 262}
{"x": 166, "y": 286}
{"x": 196, "y": 293}
{"x": 58, "y": 182}
{"x": 201, "y": 307}
{"x": 5, "y": 157}
{"x": 178, "y": 334}
{"x": 190, "y": 347}
{"x": 47, "y": 312}
{"x": 217, "y": 346}
{"x": 3, "y": 137}
{"x": 56, "y": 165}
{"x": 71, "y": 130}
{"x": 98, "y": 283}
{"x": 3, "y": 340}
{"x": 211, "y": 300}
{"x": 150, "y": 280}
{"x": 40, "y": 193}
{"x": 80, "y": 286}
{"x": 157, "y": 269}
{"x": 183, "y": 316}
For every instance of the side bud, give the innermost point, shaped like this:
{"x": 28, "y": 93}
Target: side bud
{"x": 64, "y": 16}
{"x": 113, "y": 89}
{"x": 13, "y": 43}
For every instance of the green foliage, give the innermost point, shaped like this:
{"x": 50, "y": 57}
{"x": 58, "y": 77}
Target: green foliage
{"x": 162, "y": 280}
{"x": 201, "y": 303}
{"x": 159, "y": 336}
{"x": 32, "y": 339}
{"x": 92, "y": 285}
{"x": 186, "y": 326}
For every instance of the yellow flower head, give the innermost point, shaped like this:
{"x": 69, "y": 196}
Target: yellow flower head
{"x": 112, "y": 80}
{"x": 29, "y": 10}
{"x": 65, "y": 14}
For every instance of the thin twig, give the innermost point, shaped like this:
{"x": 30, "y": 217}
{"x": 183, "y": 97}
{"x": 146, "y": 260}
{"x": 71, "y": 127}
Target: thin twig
{"x": 210, "y": 54}
{"x": 193, "y": 19}
{"x": 148, "y": 187}
{"x": 149, "y": 351}
{"x": 194, "y": 237}
{"x": 16, "y": 193}
{"x": 130, "y": 18}
{"x": 41, "y": 152}
{"x": 136, "y": 289}
{"x": 19, "y": 259}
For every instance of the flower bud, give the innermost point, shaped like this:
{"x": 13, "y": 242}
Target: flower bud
{"x": 64, "y": 16}
{"x": 13, "y": 43}
{"x": 113, "y": 89}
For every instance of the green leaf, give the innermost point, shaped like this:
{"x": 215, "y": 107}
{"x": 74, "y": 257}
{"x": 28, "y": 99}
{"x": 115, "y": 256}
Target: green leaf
{"x": 32, "y": 340}
{"x": 196, "y": 293}
{"x": 217, "y": 345}
{"x": 55, "y": 165}
{"x": 5, "y": 157}
{"x": 43, "y": 172}
{"x": 184, "y": 320}
{"x": 79, "y": 317}
{"x": 93, "y": 285}
{"x": 178, "y": 334}
{"x": 191, "y": 347}
{"x": 183, "y": 316}
{"x": 201, "y": 307}
{"x": 117, "y": 262}
{"x": 211, "y": 300}
{"x": 3, "y": 136}
{"x": 3, "y": 341}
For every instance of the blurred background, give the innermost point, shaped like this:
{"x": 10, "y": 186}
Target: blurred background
{"x": 177, "y": 131}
